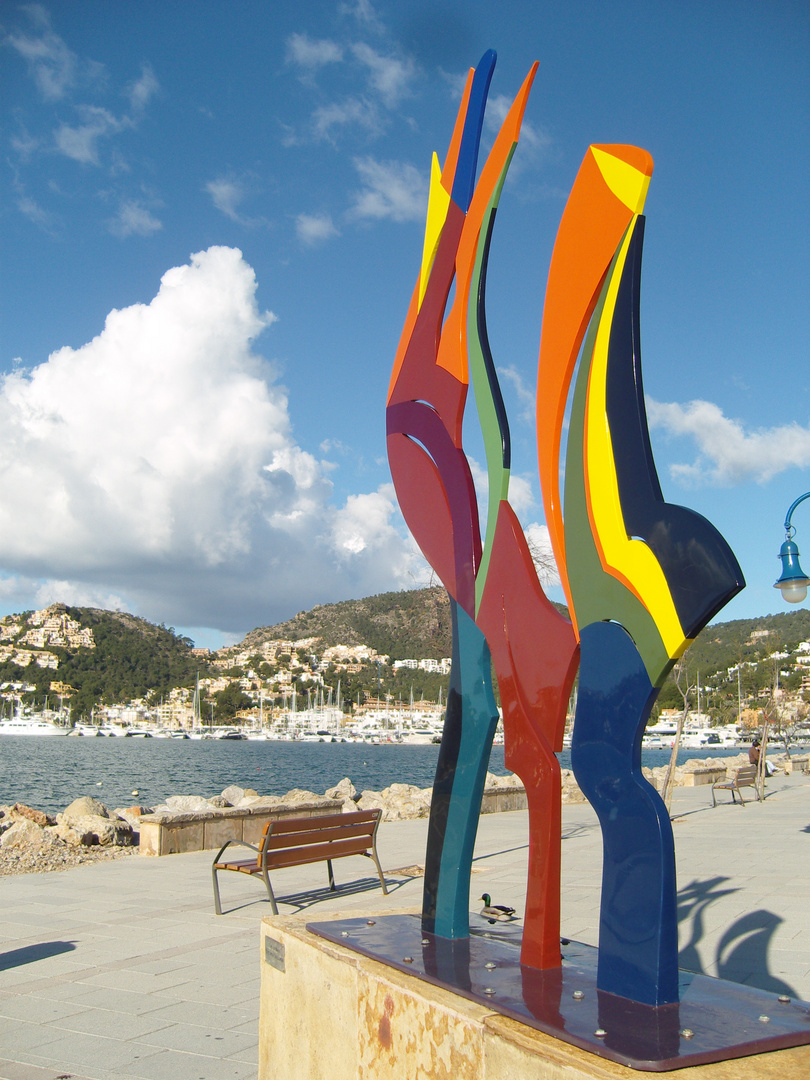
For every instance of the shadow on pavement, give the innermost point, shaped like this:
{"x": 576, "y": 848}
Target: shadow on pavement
{"x": 504, "y": 851}
{"x": 308, "y": 897}
{"x": 742, "y": 952}
{"x": 748, "y": 959}
{"x": 29, "y": 954}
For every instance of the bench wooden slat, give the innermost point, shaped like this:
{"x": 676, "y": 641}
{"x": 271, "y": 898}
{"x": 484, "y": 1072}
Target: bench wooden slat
{"x": 244, "y": 866}
{"x": 338, "y": 849}
{"x": 318, "y": 836}
{"x": 324, "y": 821}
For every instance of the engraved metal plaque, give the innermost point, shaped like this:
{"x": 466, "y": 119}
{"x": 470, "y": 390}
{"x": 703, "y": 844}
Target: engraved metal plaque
{"x": 274, "y": 953}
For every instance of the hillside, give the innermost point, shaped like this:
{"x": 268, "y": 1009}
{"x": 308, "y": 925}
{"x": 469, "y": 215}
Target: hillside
{"x": 415, "y": 623}
{"x": 97, "y": 657}
{"x": 104, "y": 656}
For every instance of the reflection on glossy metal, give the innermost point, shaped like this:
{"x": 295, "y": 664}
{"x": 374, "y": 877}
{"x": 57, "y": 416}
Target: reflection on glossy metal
{"x": 714, "y": 1020}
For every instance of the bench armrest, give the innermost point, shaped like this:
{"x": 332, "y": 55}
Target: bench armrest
{"x": 237, "y": 843}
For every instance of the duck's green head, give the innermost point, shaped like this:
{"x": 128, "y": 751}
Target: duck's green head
{"x": 486, "y": 897}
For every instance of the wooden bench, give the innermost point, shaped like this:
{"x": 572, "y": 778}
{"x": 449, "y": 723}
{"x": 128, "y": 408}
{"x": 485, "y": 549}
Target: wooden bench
{"x": 298, "y": 841}
{"x": 746, "y": 776}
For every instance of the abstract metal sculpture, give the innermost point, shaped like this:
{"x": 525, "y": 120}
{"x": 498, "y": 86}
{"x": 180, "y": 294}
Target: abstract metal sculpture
{"x": 498, "y": 607}
{"x": 642, "y": 577}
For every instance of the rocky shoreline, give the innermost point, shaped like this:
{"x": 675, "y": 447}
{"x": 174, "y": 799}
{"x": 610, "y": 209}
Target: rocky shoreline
{"x": 32, "y": 841}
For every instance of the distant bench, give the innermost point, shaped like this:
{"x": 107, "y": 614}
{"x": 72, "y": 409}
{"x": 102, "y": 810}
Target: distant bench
{"x": 299, "y": 841}
{"x": 743, "y": 777}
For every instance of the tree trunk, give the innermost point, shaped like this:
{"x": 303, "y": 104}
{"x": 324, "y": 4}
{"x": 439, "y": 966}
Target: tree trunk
{"x": 666, "y": 793}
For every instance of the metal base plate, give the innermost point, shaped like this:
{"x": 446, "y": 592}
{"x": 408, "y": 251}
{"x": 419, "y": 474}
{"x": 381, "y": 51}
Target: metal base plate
{"x": 715, "y": 1020}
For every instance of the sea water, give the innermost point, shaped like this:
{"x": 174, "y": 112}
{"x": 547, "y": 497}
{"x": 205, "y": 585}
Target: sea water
{"x": 49, "y": 773}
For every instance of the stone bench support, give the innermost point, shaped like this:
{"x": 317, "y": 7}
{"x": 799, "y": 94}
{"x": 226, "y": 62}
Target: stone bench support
{"x": 172, "y": 834}
{"x": 700, "y": 777}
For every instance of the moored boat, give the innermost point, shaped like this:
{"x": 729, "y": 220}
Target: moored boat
{"x": 30, "y": 725}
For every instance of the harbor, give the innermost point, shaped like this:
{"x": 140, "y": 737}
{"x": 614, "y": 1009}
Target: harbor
{"x": 50, "y": 772}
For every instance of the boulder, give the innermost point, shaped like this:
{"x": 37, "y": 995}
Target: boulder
{"x": 219, "y": 802}
{"x": 84, "y": 807}
{"x": 397, "y": 802}
{"x": 249, "y": 800}
{"x": 68, "y": 835}
{"x": 93, "y": 830}
{"x": 508, "y": 781}
{"x": 188, "y": 804}
{"x": 344, "y": 791}
{"x": 570, "y": 790}
{"x": 371, "y": 800}
{"x": 263, "y": 802}
{"x": 234, "y": 794}
{"x": 24, "y": 834}
{"x": 20, "y": 810}
{"x": 132, "y": 815}
{"x": 299, "y": 795}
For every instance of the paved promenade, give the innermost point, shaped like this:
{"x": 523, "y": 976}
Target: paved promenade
{"x": 121, "y": 969}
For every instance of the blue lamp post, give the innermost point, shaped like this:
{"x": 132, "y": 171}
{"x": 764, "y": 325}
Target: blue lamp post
{"x": 792, "y": 581}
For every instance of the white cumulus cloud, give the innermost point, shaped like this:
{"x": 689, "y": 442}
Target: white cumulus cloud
{"x": 727, "y": 453}
{"x": 156, "y": 466}
{"x": 226, "y": 196}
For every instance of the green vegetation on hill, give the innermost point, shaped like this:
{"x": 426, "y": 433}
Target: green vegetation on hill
{"x": 750, "y": 644}
{"x": 132, "y": 658}
{"x": 415, "y": 623}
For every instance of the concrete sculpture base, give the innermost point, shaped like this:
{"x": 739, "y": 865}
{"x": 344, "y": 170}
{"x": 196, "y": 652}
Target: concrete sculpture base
{"x": 330, "y": 1012}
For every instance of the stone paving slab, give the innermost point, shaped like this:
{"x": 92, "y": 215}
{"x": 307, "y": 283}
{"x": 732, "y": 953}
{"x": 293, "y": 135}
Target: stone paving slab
{"x": 121, "y": 969}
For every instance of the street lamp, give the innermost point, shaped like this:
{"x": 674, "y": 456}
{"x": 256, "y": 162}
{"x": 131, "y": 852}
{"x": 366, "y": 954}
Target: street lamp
{"x": 792, "y": 581}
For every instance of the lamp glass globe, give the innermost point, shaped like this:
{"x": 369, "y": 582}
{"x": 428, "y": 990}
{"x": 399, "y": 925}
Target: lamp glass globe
{"x": 794, "y": 592}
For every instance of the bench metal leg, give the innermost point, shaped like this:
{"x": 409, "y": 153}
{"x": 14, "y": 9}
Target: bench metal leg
{"x": 332, "y": 884}
{"x": 269, "y": 887}
{"x": 217, "y": 906}
{"x": 373, "y": 855}
{"x": 265, "y": 879}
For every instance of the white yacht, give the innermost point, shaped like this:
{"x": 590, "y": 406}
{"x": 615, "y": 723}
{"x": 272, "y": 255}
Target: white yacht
{"x": 30, "y": 725}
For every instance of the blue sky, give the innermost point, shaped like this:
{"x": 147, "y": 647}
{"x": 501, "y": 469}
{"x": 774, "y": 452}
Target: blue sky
{"x": 211, "y": 224}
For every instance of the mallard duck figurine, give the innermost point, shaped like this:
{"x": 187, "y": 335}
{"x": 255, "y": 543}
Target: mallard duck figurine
{"x": 496, "y": 912}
